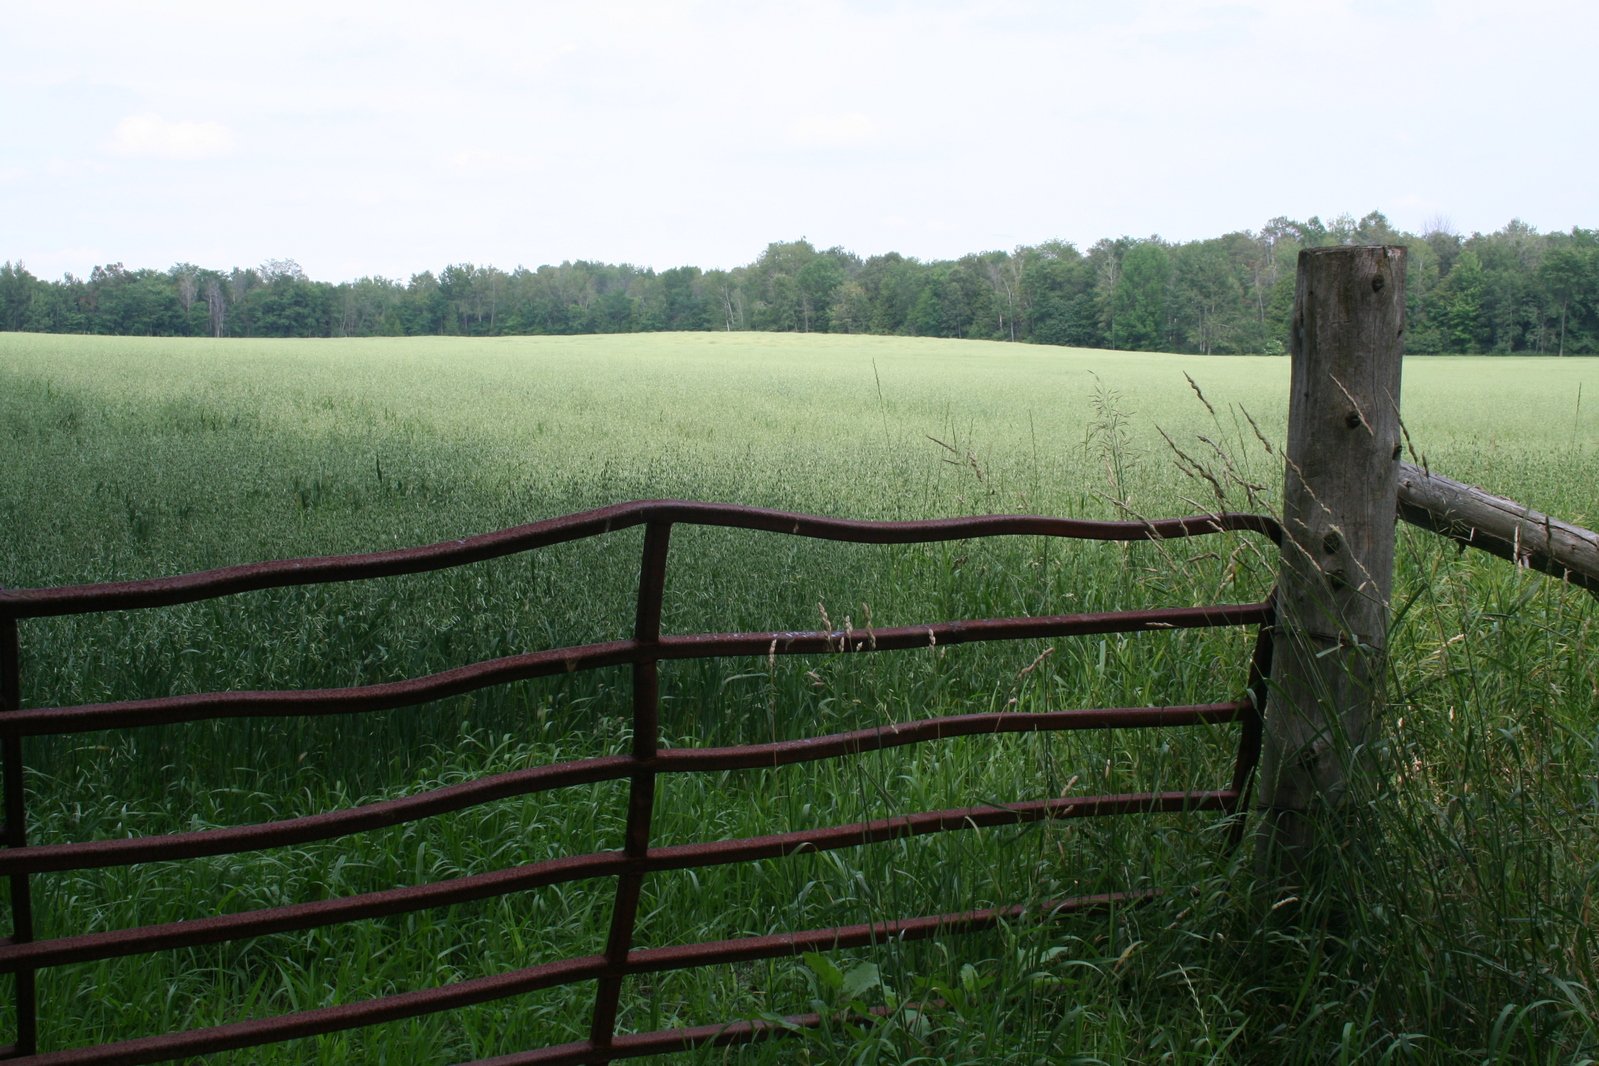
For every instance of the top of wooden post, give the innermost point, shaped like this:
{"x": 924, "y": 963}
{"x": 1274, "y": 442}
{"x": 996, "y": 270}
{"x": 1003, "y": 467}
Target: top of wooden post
{"x": 1343, "y": 440}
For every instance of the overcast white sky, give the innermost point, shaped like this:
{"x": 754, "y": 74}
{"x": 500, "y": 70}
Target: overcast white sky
{"x": 388, "y": 138}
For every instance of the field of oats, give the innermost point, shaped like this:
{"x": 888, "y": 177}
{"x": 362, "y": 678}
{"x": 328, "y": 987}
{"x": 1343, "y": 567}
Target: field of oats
{"x": 1470, "y": 939}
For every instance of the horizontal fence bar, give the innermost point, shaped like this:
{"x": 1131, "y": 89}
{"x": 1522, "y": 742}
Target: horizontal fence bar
{"x": 125, "y": 851}
{"x": 171, "y": 710}
{"x": 781, "y": 945}
{"x": 204, "y": 706}
{"x": 728, "y": 1034}
{"x": 898, "y": 734}
{"x": 322, "y": 1020}
{"x": 943, "y": 634}
{"x": 216, "y": 929}
{"x": 778, "y": 845}
{"x": 209, "y": 584}
{"x": 388, "y": 902}
{"x": 236, "y": 1035}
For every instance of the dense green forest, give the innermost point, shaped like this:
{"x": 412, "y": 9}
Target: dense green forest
{"x": 1514, "y": 290}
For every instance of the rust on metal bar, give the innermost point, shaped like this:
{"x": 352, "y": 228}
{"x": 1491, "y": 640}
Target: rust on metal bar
{"x": 745, "y": 949}
{"x": 214, "y": 929}
{"x": 125, "y": 851}
{"x": 234, "y": 1036}
{"x": 322, "y": 1020}
{"x": 899, "y": 734}
{"x": 219, "y": 928}
{"x": 875, "y": 832}
{"x": 743, "y": 1032}
{"x": 643, "y": 652}
{"x": 209, "y": 584}
{"x": 1253, "y": 727}
{"x": 1259, "y": 676}
{"x": 205, "y": 706}
{"x": 943, "y": 634}
{"x": 14, "y": 805}
{"x": 641, "y": 789}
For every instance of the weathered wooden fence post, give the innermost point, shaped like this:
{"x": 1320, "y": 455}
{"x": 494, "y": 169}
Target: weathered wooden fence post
{"x": 1336, "y": 570}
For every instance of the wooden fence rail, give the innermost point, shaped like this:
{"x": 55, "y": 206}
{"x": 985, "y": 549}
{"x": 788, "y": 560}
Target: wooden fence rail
{"x": 1477, "y": 519}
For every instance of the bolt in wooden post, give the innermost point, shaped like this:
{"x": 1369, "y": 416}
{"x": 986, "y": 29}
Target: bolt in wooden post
{"x": 1336, "y": 571}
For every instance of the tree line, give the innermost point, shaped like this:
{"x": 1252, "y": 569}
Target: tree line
{"x": 1512, "y": 291}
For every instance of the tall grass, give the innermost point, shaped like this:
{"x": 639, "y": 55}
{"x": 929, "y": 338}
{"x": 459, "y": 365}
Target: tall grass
{"x": 1469, "y": 938}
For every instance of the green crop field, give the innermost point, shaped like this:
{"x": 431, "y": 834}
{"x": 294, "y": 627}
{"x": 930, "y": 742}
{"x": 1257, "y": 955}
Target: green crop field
{"x": 1469, "y": 935}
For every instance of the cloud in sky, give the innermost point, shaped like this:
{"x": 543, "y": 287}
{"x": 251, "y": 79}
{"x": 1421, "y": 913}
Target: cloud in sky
{"x": 493, "y": 161}
{"x": 152, "y": 135}
{"x": 845, "y": 130}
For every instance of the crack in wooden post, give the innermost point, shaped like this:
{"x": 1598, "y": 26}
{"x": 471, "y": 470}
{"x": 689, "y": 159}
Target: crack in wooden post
{"x": 1336, "y": 568}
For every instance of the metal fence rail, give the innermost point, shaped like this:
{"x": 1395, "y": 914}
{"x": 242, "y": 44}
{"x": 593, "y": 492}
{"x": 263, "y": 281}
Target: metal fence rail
{"x": 22, "y": 956}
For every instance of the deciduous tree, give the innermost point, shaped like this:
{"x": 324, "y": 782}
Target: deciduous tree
{"x": 1139, "y": 299}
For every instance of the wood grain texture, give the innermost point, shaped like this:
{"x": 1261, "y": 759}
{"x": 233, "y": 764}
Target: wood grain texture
{"x": 1499, "y": 526}
{"x": 1336, "y": 572}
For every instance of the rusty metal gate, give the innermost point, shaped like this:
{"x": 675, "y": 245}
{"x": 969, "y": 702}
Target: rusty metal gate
{"x": 22, "y": 956}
